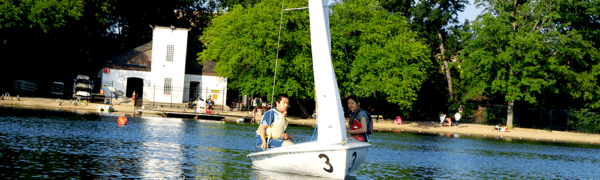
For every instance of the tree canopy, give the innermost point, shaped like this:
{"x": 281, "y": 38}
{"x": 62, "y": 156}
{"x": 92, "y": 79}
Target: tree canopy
{"x": 536, "y": 53}
{"x": 579, "y": 20}
{"x": 517, "y": 50}
{"x": 387, "y": 59}
{"x": 40, "y": 37}
{"x": 243, "y": 42}
{"x": 43, "y": 15}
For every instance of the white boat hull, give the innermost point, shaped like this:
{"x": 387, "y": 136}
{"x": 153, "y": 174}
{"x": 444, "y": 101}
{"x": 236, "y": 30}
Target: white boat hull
{"x": 312, "y": 158}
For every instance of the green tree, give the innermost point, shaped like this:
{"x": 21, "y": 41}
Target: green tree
{"x": 42, "y": 36}
{"x": 579, "y": 20}
{"x": 134, "y": 17}
{"x": 44, "y": 15}
{"x": 387, "y": 59}
{"x": 38, "y": 37}
{"x": 516, "y": 51}
{"x": 225, "y": 4}
{"x": 243, "y": 43}
{"x": 434, "y": 20}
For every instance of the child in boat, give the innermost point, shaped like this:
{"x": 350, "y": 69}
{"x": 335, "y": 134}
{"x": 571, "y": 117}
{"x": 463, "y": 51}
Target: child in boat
{"x": 271, "y": 131}
{"x": 360, "y": 124}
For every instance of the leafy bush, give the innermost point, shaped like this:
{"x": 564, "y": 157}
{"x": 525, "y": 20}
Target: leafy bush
{"x": 586, "y": 121}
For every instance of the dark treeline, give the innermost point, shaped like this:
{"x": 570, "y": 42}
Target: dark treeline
{"x": 70, "y": 37}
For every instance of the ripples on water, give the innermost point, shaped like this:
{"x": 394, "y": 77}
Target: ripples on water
{"x": 153, "y": 147}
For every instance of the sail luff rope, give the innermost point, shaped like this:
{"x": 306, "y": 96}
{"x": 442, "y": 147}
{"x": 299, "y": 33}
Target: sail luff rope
{"x": 347, "y": 59}
{"x": 348, "y": 62}
{"x": 277, "y": 55}
{"x": 276, "y": 58}
{"x": 292, "y": 9}
{"x": 278, "y": 43}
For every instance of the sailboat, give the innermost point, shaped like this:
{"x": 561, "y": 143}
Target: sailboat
{"x": 330, "y": 155}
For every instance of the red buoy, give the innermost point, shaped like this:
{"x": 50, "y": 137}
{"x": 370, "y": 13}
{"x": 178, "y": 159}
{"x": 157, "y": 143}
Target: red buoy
{"x": 122, "y": 120}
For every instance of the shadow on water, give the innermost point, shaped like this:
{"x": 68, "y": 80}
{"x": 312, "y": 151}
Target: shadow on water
{"x": 63, "y": 147}
{"x": 47, "y": 114}
{"x": 254, "y": 173}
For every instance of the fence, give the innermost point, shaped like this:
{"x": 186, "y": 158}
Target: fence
{"x": 154, "y": 96}
{"x": 241, "y": 103}
{"x": 548, "y": 119}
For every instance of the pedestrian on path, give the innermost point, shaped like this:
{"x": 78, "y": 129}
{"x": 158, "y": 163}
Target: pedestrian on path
{"x": 457, "y": 118}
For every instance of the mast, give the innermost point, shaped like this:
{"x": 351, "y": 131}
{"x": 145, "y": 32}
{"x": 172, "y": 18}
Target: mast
{"x": 332, "y": 128}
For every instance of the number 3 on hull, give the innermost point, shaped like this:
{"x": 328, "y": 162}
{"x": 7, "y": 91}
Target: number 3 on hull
{"x": 313, "y": 158}
{"x": 330, "y": 170}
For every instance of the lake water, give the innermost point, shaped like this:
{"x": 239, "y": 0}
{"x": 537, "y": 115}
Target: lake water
{"x": 172, "y": 148}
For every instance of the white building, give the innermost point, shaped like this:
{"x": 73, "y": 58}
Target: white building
{"x": 163, "y": 71}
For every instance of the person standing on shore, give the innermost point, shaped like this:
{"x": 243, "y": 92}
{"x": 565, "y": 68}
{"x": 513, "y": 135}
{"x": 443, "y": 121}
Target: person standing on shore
{"x": 133, "y": 99}
{"x": 259, "y": 106}
{"x": 264, "y": 106}
{"x": 254, "y": 103}
{"x": 442, "y": 118}
{"x": 254, "y": 109}
{"x": 457, "y": 118}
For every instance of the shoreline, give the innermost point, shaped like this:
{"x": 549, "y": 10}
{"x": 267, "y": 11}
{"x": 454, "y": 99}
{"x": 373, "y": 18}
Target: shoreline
{"x": 125, "y": 106}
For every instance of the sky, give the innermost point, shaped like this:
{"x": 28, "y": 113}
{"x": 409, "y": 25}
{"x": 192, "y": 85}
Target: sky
{"x": 470, "y": 13}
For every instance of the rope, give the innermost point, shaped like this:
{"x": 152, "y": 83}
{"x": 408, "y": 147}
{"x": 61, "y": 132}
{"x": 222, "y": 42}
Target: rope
{"x": 268, "y": 139}
{"x": 347, "y": 59}
{"x": 344, "y": 142}
{"x": 349, "y": 66}
{"x": 292, "y": 9}
{"x": 277, "y": 55}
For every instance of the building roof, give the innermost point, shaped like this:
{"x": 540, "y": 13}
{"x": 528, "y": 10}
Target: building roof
{"x": 171, "y": 28}
{"x": 140, "y": 59}
{"x": 208, "y": 68}
{"x": 137, "y": 59}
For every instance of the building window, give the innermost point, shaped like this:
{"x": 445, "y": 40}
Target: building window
{"x": 170, "y": 49}
{"x": 168, "y": 86}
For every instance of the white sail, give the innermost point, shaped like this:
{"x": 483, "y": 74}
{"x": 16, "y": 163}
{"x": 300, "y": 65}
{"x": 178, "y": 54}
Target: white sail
{"x": 332, "y": 128}
{"x": 328, "y": 156}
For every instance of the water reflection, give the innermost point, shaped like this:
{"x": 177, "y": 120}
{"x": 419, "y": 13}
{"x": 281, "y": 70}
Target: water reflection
{"x": 155, "y": 147}
{"x": 162, "y": 158}
{"x": 255, "y": 173}
{"x": 422, "y": 156}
